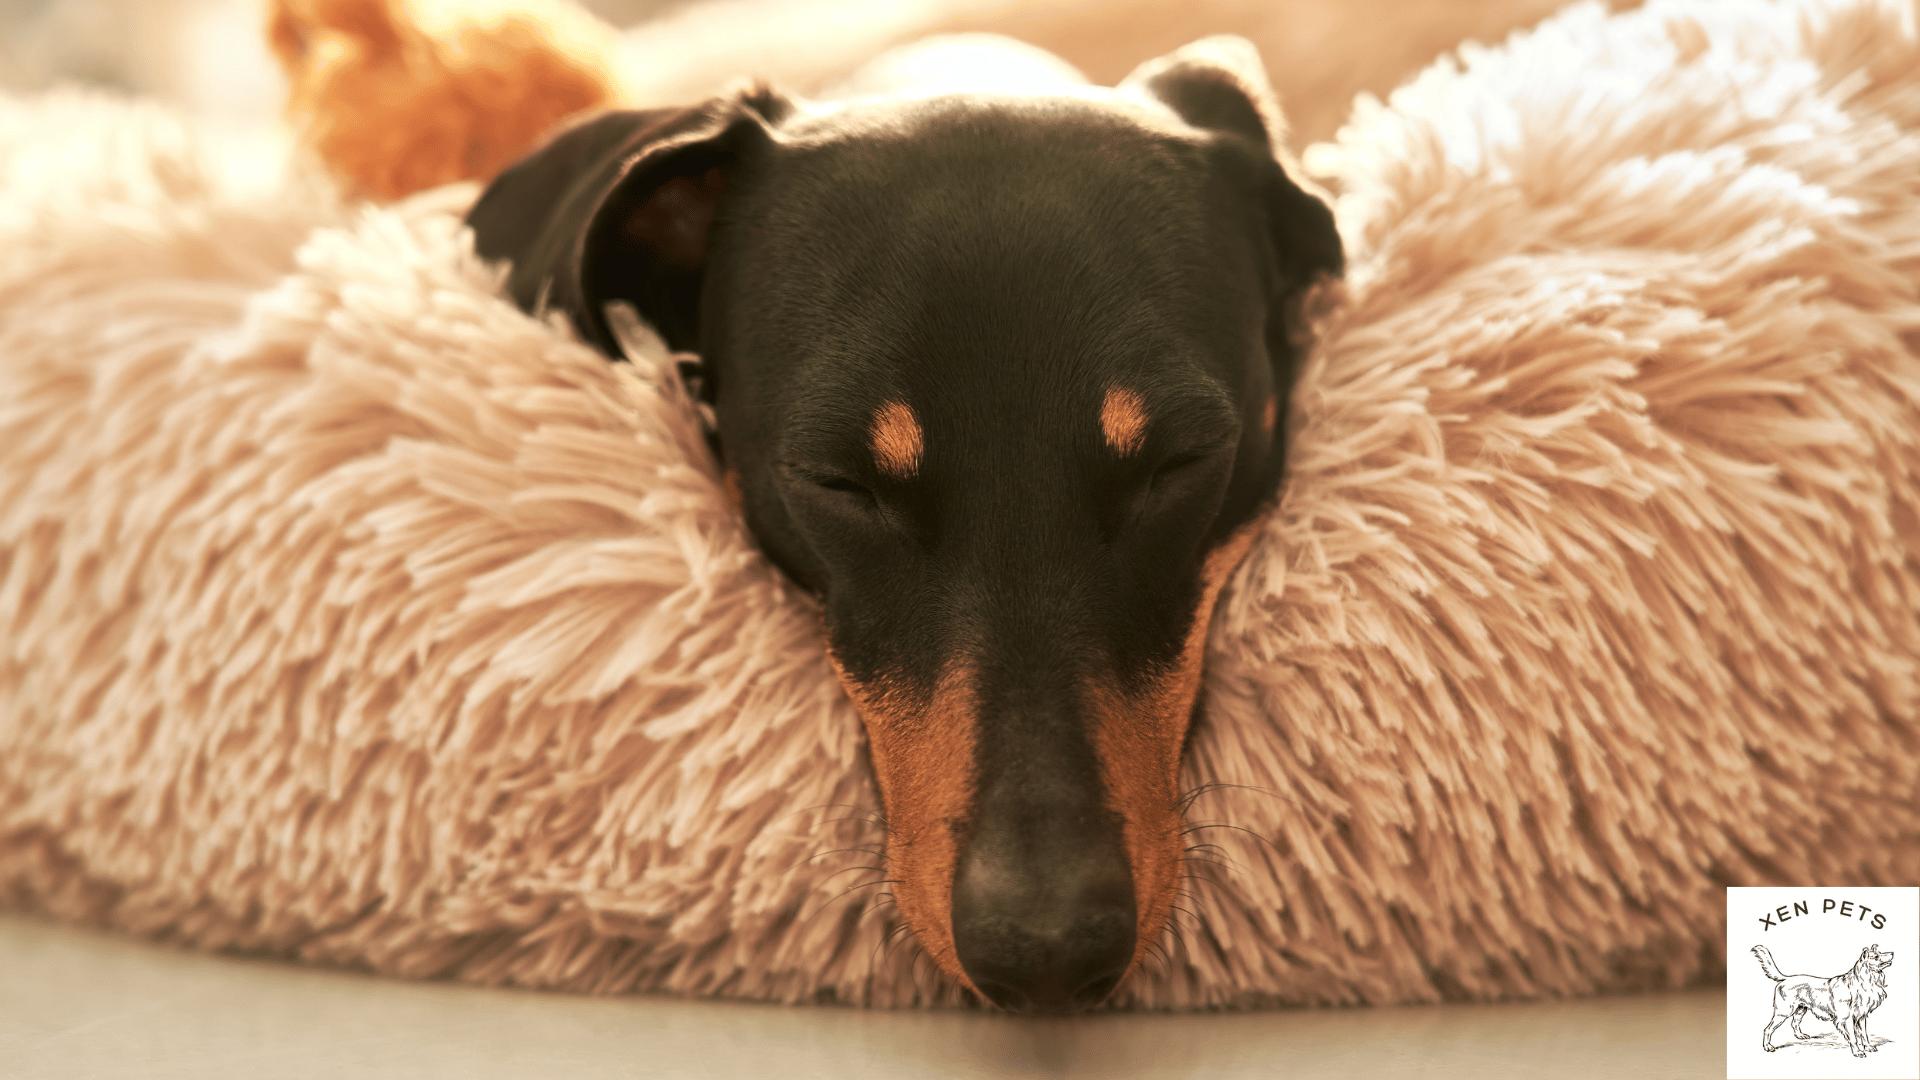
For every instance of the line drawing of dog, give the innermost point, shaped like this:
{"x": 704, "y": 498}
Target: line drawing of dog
{"x": 1844, "y": 1000}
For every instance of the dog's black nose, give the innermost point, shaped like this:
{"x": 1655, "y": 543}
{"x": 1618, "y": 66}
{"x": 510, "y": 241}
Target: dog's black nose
{"x": 1044, "y": 928}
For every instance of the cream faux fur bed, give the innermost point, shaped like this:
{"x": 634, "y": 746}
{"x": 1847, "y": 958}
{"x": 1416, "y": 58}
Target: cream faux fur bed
{"x": 348, "y": 614}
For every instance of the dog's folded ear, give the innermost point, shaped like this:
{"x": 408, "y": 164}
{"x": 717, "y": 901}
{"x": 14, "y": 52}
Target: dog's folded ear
{"x": 1218, "y": 84}
{"x": 621, "y": 207}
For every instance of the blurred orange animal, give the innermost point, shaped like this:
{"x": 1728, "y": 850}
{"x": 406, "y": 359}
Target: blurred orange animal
{"x": 400, "y": 95}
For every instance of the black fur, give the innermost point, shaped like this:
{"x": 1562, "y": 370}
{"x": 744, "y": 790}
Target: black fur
{"x": 998, "y": 267}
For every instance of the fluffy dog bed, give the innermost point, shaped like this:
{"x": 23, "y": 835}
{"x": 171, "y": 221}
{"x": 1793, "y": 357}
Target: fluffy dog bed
{"x": 348, "y": 614}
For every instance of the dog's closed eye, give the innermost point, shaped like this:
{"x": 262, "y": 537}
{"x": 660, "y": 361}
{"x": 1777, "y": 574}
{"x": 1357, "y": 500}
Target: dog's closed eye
{"x": 1180, "y": 483}
{"x": 1183, "y": 475}
{"x": 828, "y": 485}
{"x": 1178, "y": 465}
{"x": 844, "y": 486}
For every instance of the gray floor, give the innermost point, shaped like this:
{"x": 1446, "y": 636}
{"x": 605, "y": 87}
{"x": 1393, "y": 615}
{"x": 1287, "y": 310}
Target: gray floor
{"x": 81, "y": 1004}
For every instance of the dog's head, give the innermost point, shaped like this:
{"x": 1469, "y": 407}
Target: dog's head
{"x": 1003, "y": 381}
{"x": 1874, "y": 958}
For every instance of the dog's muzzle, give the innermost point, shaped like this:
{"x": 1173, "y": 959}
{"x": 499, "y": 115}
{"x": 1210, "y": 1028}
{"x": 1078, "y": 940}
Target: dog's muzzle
{"x": 1043, "y": 908}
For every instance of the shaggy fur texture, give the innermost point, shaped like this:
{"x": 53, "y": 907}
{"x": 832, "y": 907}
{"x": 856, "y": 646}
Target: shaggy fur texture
{"x": 353, "y": 616}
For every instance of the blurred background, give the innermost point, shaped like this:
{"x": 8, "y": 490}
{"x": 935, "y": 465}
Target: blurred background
{"x": 208, "y": 56}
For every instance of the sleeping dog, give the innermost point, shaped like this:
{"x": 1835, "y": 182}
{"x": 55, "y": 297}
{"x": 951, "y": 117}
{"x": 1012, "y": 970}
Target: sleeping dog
{"x": 1001, "y": 377}
{"x": 1845, "y": 1000}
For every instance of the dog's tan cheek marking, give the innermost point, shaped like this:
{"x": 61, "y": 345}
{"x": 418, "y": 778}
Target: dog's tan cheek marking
{"x": 1137, "y": 739}
{"x": 736, "y": 496}
{"x": 1270, "y": 414}
{"x": 923, "y": 754}
{"x": 896, "y": 439}
{"x": 1123, "y": 420}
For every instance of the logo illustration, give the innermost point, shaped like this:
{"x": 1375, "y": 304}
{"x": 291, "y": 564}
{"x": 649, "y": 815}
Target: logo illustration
{"x": 1844, "y": 1000}
{"x": 1823, "y": 982}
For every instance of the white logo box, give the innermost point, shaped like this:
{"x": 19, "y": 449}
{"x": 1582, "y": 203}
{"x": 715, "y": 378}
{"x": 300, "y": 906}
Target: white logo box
{"x": 1831, "y": 944}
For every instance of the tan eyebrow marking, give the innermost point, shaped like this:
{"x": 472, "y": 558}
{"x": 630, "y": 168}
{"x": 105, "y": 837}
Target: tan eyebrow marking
{"x": 896, "y": 439}
{"x": 1123, "y": 420}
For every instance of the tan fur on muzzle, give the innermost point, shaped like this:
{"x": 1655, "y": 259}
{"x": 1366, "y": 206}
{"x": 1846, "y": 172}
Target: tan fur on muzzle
{"x": 1138, "y": 739}
{"x": 922, "y": 747}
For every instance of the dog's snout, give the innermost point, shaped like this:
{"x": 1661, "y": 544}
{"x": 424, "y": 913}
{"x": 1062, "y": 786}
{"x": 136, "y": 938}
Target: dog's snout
{"x": 1047, "y": 959}
{"x": 1046, "y": 927}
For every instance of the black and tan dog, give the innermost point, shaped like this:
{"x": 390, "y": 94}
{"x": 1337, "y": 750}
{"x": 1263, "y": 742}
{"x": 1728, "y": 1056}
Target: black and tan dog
{"x": 1002, "y": 379}
{"x": 1844, "y": 1000}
